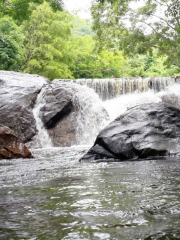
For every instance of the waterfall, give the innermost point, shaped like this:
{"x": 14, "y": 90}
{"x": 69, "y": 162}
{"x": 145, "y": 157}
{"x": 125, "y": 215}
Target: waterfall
{"x": 114, "y": 87}
{"x": 43, "y": 136}
{"x": 91, "y": 115}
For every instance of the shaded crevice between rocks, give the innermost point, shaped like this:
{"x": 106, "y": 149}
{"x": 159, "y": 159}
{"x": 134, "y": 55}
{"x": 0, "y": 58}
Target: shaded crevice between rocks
{"x": 59, "y": 116}
{"x": 34, "y": 100}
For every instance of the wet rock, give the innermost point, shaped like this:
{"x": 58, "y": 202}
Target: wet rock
{"x": 147, "y": 131}
{"x": 18, "y": 93}
{"x": 57, "y": 112}
{"x": 11, "y": 146}
{"x": 62, "y": 106}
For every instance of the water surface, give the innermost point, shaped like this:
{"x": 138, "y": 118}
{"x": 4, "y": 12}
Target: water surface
{"x": 55, "y": 197}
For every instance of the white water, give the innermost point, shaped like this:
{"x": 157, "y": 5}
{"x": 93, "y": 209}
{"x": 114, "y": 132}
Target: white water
{"x": 91, "y": 115}
{"x": 117, "y": 106}
{"x": 43, "y": 136}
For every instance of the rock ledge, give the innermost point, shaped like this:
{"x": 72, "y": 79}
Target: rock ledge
{"x": 11, "y": 146}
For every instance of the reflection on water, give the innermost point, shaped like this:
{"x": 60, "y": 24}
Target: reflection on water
{"x": 56, "y": 197}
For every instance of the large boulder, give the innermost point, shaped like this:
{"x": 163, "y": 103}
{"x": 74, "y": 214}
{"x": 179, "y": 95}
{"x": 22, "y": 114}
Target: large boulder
{"x": 18, "y": 94}
{"x": 147, "y": 131}
{"x": 57, "y": 112}
{"x": 11, "y": 146}
{"x": 67, "y": 110}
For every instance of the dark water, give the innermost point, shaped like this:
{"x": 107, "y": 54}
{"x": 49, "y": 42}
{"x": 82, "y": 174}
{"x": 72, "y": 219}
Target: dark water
{"x": 56, "y": 197}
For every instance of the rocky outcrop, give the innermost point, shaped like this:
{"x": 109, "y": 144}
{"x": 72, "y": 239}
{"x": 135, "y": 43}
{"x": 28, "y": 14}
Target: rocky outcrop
{"x": 11, "y": 146}
{"x": 58, "y": 105}
{"x": 57, "y": 112}
{"x": 18, "y": 93}
{"x": 147, "y": 131}
{"x": 61, "y": 108}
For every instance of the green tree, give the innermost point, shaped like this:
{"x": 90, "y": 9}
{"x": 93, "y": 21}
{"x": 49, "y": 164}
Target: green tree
{"x": 21, "y": 10}
{"x": 92, "y": 64}
{"x": 148, "y": 66}
{"x": 48, "y": 46}
{"x": 140, "y": 26}
{"x": 11, "y": 45}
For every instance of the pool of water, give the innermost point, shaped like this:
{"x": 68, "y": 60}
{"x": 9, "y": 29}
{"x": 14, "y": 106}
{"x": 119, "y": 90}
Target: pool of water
{"x": 54, "y": 196}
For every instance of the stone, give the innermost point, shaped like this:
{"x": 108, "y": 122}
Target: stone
{"x": 147, "y": 131}
{"x": 57, "y": 112}
{"x": 18, "y": 94}
{"x": 11, "y": 146}
{"x": 62, "y": 106}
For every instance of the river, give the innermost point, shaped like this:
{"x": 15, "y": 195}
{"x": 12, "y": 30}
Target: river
{"x": 54, "y": 196}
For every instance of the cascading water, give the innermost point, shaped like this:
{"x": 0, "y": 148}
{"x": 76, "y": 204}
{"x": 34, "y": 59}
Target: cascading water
{"x": 43, "y": 136}
{"x": 91, "y": 115}
{"x": 112, "y": 88}
{"x": 90, "y": 112}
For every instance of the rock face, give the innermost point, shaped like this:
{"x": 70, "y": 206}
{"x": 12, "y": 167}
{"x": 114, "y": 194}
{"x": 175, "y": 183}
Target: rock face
{"x": 58, "y": 113}
{"x": 18, "y": 93}
{"x": 58, "y": 106}
{"x": 62, "y": 104}
{"x": 147, "y": 131}
{"x": 11, "y": 146}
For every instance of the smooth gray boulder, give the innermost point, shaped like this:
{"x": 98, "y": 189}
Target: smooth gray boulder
{"x": 18, "y": 96}
{"x": 147, "y": 131}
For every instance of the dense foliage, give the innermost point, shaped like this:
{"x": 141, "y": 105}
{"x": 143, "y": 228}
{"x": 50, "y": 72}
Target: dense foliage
{"x": 21, "y": 9}
{"x": 41, "y": 37}
{"x": 140, "y": 26}
{"x": 11, "y": 45}
{"x": 47, "y": 42}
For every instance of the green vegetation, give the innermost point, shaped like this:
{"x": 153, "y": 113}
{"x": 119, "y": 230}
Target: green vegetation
{"x": 138, "y": 27}
{"x": 21, "y": 10}
{"x": 11, "y": 45}
{"x": 48, "y": 43}
{"x": 41, "y": 37}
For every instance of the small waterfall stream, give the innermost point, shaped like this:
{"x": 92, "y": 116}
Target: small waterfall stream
{"x": 91, "y": 115}
{"x": 43, "y": 136}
